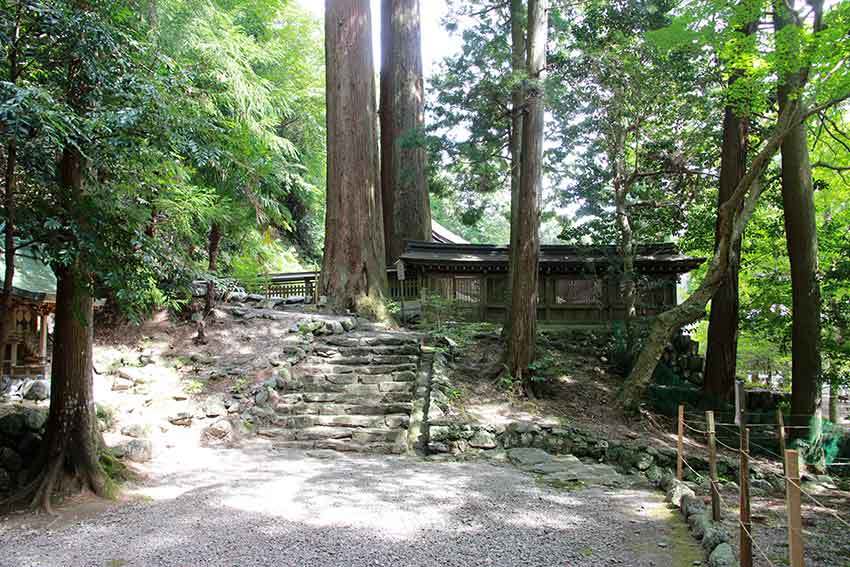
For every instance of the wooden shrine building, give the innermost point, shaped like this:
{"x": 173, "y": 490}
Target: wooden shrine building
{"x": 33, "y": 300}
{"x": 577, "y": 284}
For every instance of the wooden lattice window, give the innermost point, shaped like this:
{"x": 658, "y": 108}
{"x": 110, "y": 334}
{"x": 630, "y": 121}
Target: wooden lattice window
{"x": 467, "y": 289}
{"x": 577, "y": 291}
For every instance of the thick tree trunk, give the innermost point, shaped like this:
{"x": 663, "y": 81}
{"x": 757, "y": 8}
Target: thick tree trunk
{"x": 214, "y": 246}
{"x": 722, "y": 351}
{"x": 69, "y": 460}
{"x": 801, "y": 237}
{"x": 73, "y": 440}
{"x": 406, "y": 204}
{"x": 524, "y": 271}
{"x": 353, "y": 265}
{"x": 517, "y": 101}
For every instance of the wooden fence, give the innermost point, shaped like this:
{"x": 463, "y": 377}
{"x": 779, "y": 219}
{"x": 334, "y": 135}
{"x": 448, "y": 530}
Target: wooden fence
{"x": 303, "y": 284}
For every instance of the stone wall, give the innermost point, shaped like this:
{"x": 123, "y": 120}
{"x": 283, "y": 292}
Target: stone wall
{"x": 21, "y": 431}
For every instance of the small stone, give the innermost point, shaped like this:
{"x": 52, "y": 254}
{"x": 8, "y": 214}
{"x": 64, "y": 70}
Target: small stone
{"x": 135, "y": 430}
{"x": 138, "y": 450}
{"x": 214, "y": 406}
{"x": 121, "y": 384}
{"x": 181, "y": 418}
{"x": 261, "y": 397}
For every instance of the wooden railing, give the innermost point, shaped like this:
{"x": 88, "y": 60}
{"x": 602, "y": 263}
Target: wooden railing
{"x": 302, "y": 284}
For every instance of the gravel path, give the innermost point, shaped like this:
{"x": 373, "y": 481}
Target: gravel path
{"x": 244, "y": 508}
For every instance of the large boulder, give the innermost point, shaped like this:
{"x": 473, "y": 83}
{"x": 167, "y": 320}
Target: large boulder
{"x": 10, "y": 460}
{"x": 34, "y": 419}
{"x": 36, "y": 390}
{"x": 722, "y": 556}
{"x": 12, "y": 426}
{"x": 528, "y": 456}
{"x": 677, "y": 492}
{"x": 221, "y": 432}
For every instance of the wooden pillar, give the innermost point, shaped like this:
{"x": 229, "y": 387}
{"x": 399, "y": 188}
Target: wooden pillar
{"x": 712, "y": 467}
{"x": 793, "y": 508}
{"x": 746, "y": 530}
{"x": 42, "y": 339}
{"x": 680, "y": 444}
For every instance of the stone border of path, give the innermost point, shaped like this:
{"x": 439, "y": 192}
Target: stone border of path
{"x": 556, "y": 451}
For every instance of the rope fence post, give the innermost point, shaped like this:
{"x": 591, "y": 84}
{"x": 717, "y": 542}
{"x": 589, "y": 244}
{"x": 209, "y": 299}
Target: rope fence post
{"x": 744, "y": 504}
{"x": 712, "y": 466}
{"x": 680, "y": 444}
{"x": 793, "y": 508}
{"x": 781, "y": 424}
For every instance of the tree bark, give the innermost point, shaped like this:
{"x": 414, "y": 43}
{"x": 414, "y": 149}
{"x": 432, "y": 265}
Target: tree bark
{"x": 833, "y": 402}
{"x": 214, "y": 246}
{"x": 353, "y": 265}
{"x": 722, "y": 351}
{"x": 10, "y": 189}
{"x": 524, "y": 271}
{"x": 406, "y": 204}
{"x": 622, "y": 186}
{"x": 801, "y": 238}
{"x": 517, "y": 101}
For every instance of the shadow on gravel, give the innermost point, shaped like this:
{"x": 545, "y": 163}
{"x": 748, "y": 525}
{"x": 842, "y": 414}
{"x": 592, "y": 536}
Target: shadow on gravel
{"x": 287, "y": 508}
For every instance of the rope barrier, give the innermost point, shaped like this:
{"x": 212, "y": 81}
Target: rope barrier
{"x": 701, "y": 431}
{"x": 819, "y": 503}
{"x": 757, "y": 546}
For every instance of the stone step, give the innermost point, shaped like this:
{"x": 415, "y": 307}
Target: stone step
{"x": 345, "y": 420}
{"x": 321, "y": 369}
{"x": 372, "y": 340}
{"x": 339, "y": 359}
{"x": 343, "y": 445}
{"x": 398, "y": 382}
{"x": 301, "y": 407}
{"x": 322, "y": 432}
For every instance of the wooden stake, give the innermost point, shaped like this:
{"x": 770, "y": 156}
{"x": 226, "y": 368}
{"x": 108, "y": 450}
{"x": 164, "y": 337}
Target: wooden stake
{"x": 793, "y": 508}
{"x": 712, "y": 467}
{"x": 680, "y": 444}
{"x": 781, "y": 421}
{"x": 744, "y": 505}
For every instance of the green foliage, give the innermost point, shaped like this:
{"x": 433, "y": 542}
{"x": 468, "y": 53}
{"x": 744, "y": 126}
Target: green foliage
{"x": 208, "y": 112}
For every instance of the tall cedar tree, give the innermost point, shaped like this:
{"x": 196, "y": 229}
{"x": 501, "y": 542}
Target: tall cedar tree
{"x": 722, "y": 352}
{"x": 515, "y": 140}
{"x": 798, "y": 204}
{"x": 404, "y": 190}
{"x": 353, "y": 266}
{"x": 524, "y": 269}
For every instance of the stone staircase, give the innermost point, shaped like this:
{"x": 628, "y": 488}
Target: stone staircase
{"x": 347, "y": 392}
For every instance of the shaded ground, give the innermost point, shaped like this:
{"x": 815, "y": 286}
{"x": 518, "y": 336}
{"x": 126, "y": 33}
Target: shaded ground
{"x": 256, "y": 507}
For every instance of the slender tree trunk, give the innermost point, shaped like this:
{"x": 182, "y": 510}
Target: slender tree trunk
{"x": 801, "y": 238}
{"x": 722, "y": 352}
{"x": 406, "y": 204}
{"x": 733, "y": 217}
{"x": 353, "y": 266}
{"x": 524, "y": 273}
{"x": 10, "y": 189}
{"x": 617, "y": 156}
{"x": 518, "y": 17}
{"x": 833, "y": 402}
{"x": 214, "y": 246}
